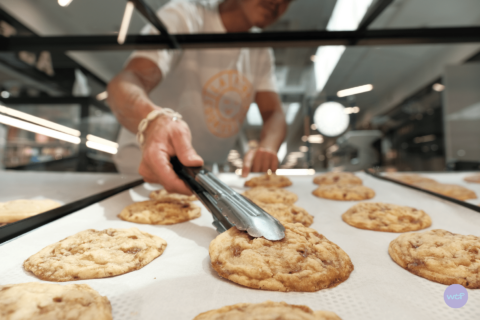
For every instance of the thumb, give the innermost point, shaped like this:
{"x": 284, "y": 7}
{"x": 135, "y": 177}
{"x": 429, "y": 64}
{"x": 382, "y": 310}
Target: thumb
{"x": 185, "y": 152}
{"x": 247, "y": 162}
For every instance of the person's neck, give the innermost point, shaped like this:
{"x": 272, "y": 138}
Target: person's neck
{"x": 232, "y": 16}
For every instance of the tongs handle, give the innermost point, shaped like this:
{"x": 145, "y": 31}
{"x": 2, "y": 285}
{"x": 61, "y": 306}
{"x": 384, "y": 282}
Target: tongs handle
{"x": 187, "y": 174}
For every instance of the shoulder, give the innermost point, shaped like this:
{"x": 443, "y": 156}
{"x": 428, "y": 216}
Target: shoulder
{"x": 180, "y": 7}
{"x": 183, "y": 16}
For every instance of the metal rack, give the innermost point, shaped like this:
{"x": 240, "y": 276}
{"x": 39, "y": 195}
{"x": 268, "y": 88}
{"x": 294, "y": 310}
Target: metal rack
{"x": 359, "y": 37}
{"x": 372, "y": 173}
{"x": 18, "y": 228}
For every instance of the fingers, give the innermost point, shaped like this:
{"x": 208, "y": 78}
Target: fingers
{"x": 182, "y": 144}
{"x": 264, "y": 160}
{"x": 147, "y": 174}
{"x": 274, "y": 163}
{"x": 157, "y": 162}
{"x": 247, "y": 162}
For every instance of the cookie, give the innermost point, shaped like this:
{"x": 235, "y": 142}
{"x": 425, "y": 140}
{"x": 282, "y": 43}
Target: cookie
{"x": 37, "y": 300}
{"x": 439, "y": 256}
{"x": 408, "y": 178}
{"x": 269, "y": 180}
{"x": 386, "y": 217}
{"x": 16, "y": 210}
{"x": 287, "y": 213}
{"x": 345, "y": 192}
{"x": 92, "y": 254}
{"x": 267, "y": 310}
{"x": 271, "y": 195}
{"x": 165, "y": 196}
{"x": 303, "y": 261}
{"x": 337, "y": 178}
{"x": 449, "y": 190}
{"x": 156, "y": 212}
{"x": 475, "y": 178}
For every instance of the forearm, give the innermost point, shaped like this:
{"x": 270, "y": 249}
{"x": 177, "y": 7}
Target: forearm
{"x": 274, "y": 131}
{"x": 128, "y": 99}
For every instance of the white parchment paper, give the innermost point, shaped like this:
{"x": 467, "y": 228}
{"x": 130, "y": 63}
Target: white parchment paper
{"x": 455, "y": 178}
{"x": 181, "y": 283}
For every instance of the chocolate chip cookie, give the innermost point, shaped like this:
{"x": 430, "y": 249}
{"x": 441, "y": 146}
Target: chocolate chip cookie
{"x": 267, "y": 310}
{"x": 386, "y": 217}
{"x": 344, "y": 192}
{"x": 158, "y": 212}
{"x": 440, "y": 256}
{"x": 271, "y": 195}
{"x": 302, "y": 261}
{"x": 337, "y": 178}
{"x": 92, "y": 254}
{"x": 269, "y": 180}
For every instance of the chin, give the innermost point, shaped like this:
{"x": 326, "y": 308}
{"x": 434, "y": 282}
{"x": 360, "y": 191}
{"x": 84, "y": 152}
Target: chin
{"x": 261, "y": 25}
{"x": 263, "y": 22}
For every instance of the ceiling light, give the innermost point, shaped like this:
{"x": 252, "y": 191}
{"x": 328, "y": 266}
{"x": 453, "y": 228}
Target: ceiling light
{"x": 303, "y": 148}
{"x": 331, "y": 119}
{"x": 437, "y": 87}
{"x": 38, "y": 129}
{"x": 295, "y": 155}
{"x": 346, "y": 16}
{"x": 333, "y": 148}
{"x": 64, "y": 3}
{"x": 304, "y": 138}
{"x": 326, "y": 59}
{"x": 316, "y": 138}
{"x": 40, "y": 121}
{"x": 312, "y": 58}
{"x": 102, "y": 141}
{"x": 5, "y": 94}
{"x": 102, "y": 96}
{"x": 355, "y": 90}
{"x": 127, "y": 16}
{"x": 355, "y": 109}
{"x": 313, "y": 127}
{"x": 427, "y": 138}
{"x": 101, "y": 147}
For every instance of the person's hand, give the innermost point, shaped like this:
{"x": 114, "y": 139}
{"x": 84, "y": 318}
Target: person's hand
{"x": 165, "y": 138}
{"x": 259, "y": 160}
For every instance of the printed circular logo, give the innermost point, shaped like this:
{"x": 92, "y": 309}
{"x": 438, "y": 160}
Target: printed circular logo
{"x": 226, "y": 99}
{"x": 455, "y": 296}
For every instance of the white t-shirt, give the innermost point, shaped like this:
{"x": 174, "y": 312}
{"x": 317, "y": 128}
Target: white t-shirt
{"x": 211, "y": 88}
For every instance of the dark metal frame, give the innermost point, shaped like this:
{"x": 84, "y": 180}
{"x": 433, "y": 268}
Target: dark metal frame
{"x": 441, "y": 196}
{"x": 374, "y": 11}
{"x": 152, "y": 17}
{"x": 31, "y": 71}
{"x": 83, "y": 102}
{"x": 15, "y": 229}
{"x": 237, "y": 40}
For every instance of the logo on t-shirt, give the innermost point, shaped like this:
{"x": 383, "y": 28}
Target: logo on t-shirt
{"x": 226, "y": 99}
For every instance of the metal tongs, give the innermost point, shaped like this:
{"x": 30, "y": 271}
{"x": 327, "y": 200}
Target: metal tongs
{"x": 227, "y": 206}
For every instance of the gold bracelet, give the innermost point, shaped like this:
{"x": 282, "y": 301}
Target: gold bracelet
{"x": 142, "y": 126}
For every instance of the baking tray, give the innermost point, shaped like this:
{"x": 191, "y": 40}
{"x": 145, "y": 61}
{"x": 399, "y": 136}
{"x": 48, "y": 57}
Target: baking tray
{"x": 449, "y": 178}
{"x": 181, "y": 283}
{"x": 18, "y": 228}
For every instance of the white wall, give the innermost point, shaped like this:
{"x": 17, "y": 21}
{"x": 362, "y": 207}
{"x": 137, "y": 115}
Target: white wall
{"x": 461, "y": 109}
